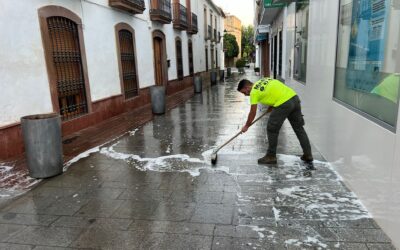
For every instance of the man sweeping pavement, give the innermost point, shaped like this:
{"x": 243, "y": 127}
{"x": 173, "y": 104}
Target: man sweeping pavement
{"x": 283, "y": 103}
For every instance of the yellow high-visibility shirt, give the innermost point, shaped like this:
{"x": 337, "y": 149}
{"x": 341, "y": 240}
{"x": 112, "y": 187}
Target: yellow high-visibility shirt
{"x": 270, "y": 92}
{"x": 389, "y": 88}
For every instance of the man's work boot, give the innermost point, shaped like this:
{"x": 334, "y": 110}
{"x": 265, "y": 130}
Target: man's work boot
{"x": 307, "y": 158}
{"x": 267, "y": 159}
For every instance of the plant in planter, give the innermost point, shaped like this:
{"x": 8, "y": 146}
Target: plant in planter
{"x": 240, "y": 64}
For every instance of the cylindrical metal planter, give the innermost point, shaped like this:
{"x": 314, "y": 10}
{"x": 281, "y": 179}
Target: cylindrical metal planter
{"x": 43, "y": 144}
{"x": 222, "y": 75}
{"x": 198, "y": 84}
{"x": 213, "y": 77}
{"x": 228, "y": 72}
{"x": 158, "y": 104}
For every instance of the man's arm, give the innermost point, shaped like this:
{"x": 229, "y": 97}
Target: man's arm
{"x": 250, "y": 117}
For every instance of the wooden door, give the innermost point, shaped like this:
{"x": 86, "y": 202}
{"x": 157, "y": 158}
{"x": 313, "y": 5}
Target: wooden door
{"x": 158, "y": 59}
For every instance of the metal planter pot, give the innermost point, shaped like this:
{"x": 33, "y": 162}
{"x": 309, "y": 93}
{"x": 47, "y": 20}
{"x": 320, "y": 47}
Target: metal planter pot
{"x": 198, "y": 84}
{"x": 228, "y": 72}
{"x": 213, "y": 77}
{"x": 222, "y": 75}
{"x": 158, "y": 103}
{"x": 43, "y": 144}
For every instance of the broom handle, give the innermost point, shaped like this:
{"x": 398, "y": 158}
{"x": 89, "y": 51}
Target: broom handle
{"x": 240, "y": 132}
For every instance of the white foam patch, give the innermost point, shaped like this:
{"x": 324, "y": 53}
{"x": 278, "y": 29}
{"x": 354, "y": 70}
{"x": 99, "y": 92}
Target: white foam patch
{"x": 133, "y": 132}
{"x": 161, "y": 163}
{"x": 22, "y": 182}
{"x": 5, "y": 169}
{"x": 259, "y": 230}
{"x": 314, "y": 240}
{"x": 310, "y": 241}
{"x": 81, "y": 156}
{"x": 276, "y": 213}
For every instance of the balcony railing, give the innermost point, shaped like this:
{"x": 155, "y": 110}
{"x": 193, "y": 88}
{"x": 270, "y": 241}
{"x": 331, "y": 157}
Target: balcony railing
{"x": 209, "y": 33}
{"x": 194, "y": 27}
{"x": 132, "y": 6}
{"x": 180, "y": 20}
{"x": 160, "y": 11}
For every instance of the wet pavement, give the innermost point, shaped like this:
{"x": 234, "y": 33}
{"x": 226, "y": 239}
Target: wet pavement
{"x": 155, "y": 188}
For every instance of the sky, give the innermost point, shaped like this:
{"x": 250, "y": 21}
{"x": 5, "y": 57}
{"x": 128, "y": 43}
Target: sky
{"x": 243, "y": 9}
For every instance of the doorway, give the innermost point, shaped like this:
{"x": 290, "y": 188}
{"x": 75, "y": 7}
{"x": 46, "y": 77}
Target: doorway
{"x": 160, "y": 58}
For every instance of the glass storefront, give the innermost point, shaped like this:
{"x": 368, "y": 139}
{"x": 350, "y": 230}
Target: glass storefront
{"x": 368, "y": 59}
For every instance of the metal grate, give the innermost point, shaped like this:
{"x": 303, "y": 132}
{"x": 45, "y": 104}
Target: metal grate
{"x": 68, "y": 66}
{"x": 127, "y": 54}
{"x": 191, "y": 68}
{"x": 179, "y": 62}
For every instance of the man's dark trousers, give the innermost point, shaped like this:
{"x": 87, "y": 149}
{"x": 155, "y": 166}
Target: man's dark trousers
{"x": 291, "y": 110}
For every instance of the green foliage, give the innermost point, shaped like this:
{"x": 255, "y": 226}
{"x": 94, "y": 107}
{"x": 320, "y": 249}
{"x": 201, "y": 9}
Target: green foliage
{"x": 240, "y": 63}
{"x": 247, "y": 43}
{"x": 231, "y": 47}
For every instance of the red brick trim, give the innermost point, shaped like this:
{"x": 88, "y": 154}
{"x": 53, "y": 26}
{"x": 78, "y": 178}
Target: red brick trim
{"x": 11, "y": 142}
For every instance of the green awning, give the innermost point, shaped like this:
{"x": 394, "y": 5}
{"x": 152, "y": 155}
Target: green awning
{"x": 270, "y": 4}
{"x": 261, "y": 37}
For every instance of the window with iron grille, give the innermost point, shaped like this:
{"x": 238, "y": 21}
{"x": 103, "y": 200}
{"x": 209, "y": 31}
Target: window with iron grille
{"x": 127, "y": 63}
{"x": 67, "y": 62}
{"x": 179, "y": 64}
{"x": 191, "y": 68}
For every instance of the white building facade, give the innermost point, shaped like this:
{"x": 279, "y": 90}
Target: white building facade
{"x": 90, "y": 60}
{"x": 343, "y": 59}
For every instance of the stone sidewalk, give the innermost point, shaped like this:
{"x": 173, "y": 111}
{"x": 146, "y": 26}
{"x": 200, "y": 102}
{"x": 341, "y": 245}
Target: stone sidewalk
{"x": 155, "y": 188}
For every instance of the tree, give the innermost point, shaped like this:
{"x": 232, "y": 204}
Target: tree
{"x": 231, "y": 47}
{"x": 248, "y": 47}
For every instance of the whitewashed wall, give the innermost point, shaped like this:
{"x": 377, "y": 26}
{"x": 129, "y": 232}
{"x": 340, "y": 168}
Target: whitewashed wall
{"x": 23, "y": 74}
{"x": 23, "y": 69}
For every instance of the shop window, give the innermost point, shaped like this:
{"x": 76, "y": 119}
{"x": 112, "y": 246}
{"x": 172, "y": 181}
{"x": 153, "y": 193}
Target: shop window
{"x": 301, "y": 43}
{"x": 368, "y": 59}
{"x": 127, "y": 60}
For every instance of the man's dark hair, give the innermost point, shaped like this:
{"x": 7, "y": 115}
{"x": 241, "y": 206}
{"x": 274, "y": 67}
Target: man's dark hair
{"x": 243, "y": 83}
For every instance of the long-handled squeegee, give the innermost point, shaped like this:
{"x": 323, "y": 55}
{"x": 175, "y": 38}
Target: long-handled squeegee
{"x": 214, "y": 153}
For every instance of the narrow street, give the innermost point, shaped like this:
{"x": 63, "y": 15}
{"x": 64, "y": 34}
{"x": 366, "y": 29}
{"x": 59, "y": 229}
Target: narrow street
{"x": 155, "y": 188}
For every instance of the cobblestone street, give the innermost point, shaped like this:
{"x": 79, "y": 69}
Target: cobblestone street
{"x": 155, "y": 188}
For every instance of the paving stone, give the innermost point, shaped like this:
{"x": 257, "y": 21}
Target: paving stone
{"x": 27, "y": 219}
{"x": 99, "y": 193}
{"x": 135, "y": 210}
{"x": 174, "y": 211}
{"x": 176, "y": 241}
{"x": 8, "y": 230}
{"x": 172, "y": 227}
{"x": 347, "y": 246}
{"x": 361, "y": 235}
{"x": 64, "y": 206}
{"x": 213, "y": 213}
{"x": 193, "y": 196}
{"x": 89, "y": 222}
{"x": 139, "y": 194}
{"x": 108, "y": 239}
{"x": 9, "y": 246}
{"x": 380, "y": 246}
{"x": 49, "y": 236}
{"x": 99, "y": 208}
{"x": 29, "y": 205}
